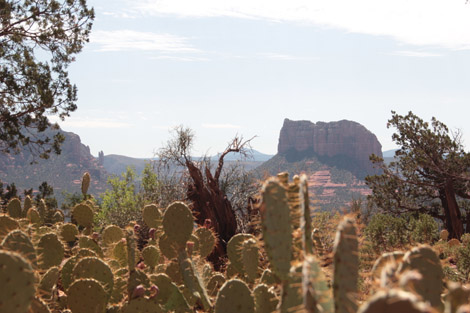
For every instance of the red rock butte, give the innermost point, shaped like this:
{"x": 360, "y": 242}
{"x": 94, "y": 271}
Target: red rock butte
{"x": 334, "y": 139}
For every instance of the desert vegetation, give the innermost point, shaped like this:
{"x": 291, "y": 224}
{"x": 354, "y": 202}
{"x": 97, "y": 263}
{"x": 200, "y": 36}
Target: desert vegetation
{"x": 293, "y": 259}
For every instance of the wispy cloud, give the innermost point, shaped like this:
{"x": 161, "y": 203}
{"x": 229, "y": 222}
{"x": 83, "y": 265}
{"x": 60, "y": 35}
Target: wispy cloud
{"x": 178, "y": 58}
{"x": 129, "y": 40}
{"x": 220, "y": 126}
{"x": 418, "y": 22}
{"x": 417, "y": 54}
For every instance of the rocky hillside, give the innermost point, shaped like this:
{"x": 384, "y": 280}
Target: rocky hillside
{"x": 335, "y": 157}
{"x": 62, "y": 171}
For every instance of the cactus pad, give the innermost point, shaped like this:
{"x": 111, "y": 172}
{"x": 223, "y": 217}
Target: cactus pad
{"x": 169, "y": 296}
{"x": 389, "y": 257}
{"x": 167, "y": 247}
{"x": 16, "y": 281}
{"x": 207, "y": 241}
{"x": 233, "y": 297}
{"x": 178, "y": 223}
{"x": 234, "y": 250}
{"x": 346, "y": 267}
{"x": 83, "y": 215}
{"x": 50, "y": 251}
{"x": 250, "y": 256}
{"x": 214, "y": 284}
{"x": 151, "y": 256}
{"x": 265, "y": 299}
{"x": 152, "y": 216}
{"x": 425, "y": 261}
{"x": 393, "y": 301}
{"x": 68, "y": 232}
{"x": 141, "y": 305}
{"x": 7, "y": 224}
{"x": 91, "y": 267}
{"x": 86, "y": 296}
{"x": 88, "y": 243}
{"x": 48, "y": 281}
{"x": 112, "y": 234}
{"x": 33, "y": 216}
{"x": 69, "y": 264}
{"x": 14, "y": 208}
{"x": 276, "y": 226}
{"x": 86, "y": 179}
{"x": 19, "y": 242}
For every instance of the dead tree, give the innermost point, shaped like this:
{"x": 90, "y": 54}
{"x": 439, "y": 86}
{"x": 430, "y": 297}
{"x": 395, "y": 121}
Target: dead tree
{"x": 209, "y": 203}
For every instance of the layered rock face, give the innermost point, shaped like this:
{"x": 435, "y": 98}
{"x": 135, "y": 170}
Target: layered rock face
{"x": 343, "y": 140}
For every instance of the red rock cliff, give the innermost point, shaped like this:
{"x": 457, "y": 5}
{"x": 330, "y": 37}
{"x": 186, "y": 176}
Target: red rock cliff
{"x": 334, "y": 139}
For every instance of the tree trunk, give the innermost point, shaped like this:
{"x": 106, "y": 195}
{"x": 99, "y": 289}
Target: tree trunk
{"x": 453, "y": 216}
{"x": 210, "y": 203}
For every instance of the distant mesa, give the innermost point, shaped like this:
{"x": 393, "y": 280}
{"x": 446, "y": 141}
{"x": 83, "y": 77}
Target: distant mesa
{"x": 344, "y": 144}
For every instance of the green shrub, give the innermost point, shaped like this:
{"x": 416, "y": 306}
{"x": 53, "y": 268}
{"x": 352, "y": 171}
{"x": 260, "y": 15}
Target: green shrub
{"x": 424, "y": 229}
{"x": 386, "y": 231}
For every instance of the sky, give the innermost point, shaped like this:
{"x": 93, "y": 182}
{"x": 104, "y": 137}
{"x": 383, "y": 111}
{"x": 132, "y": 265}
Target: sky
{"x": 228, "y": 67}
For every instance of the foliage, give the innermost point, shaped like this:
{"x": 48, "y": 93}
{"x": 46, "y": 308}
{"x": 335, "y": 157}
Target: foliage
{"x": 386, "y": 231}
{"x": 39, "y": 39}
{"x": 121, "y": 203}
{"x": 80, "y": 271}
{"x": 424, "y": 229}
{"x": 430, "y": 168}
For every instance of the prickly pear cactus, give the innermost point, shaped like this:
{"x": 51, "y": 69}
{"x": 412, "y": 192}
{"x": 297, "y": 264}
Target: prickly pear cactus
{"x": 276, "y": 226}
{"x": 317, "y": 296}
{"x": 112, "y": 234}
{"x": 48, "y": 281}
{"x": 91, "y": 267}
{"x": 207, "y": 241}
{"x": 68, "y": 232}
{"x": 27, "y": 204}
{"x": 394, "y": 257}
{"x": 86, "y": 296}
{"x": 7, "y": 224}
{"x": 178, "y": 223}
{"x": 305, "y": 217}
{"x": 86, "y": 179}
{"x": 19, "y": 242}
{"x": 234, "y": 251}
{"x": 151, "y": 256}
{"x": 83, "y": 214}
{"x": 265, "y": 299}
{"x": 455, "y": 297}
{"x": 33, "y": 216}
{"x": 425, "y": 261}
{"x": 346, "y": 267}
{"x": 14, "y": 208}
{"x": 141, "y": 305}
{"x": 152, "y": 216}
{"x": 50, "y": 251}
{"x": 250, "y": 256}
{"x": 88, "y": 243}
{"x": 234, "y": 297}
{"x": 393, "y": 301}
{"x": 16, "y": 281}
{"x": 214, "y": 284}
{"x": 169, "y": 296}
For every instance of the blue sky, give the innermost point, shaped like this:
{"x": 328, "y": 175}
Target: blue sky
{"x": 227, "y": 67}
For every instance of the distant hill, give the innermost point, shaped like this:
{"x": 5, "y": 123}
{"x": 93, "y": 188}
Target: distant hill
{"x": 117, "y": 164}
{"x": 62, "y": 171}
